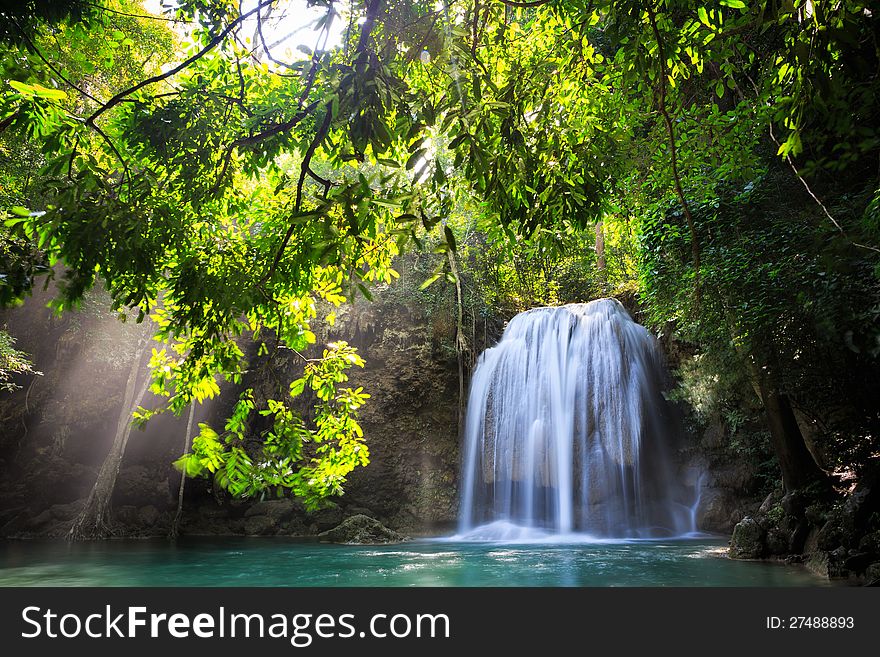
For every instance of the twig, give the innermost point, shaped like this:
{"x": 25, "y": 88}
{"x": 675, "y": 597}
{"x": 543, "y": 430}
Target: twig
{"x": 518, "y": 3}
{"x": 806, "y": 185}
{"x": 818, "y": 201}
{"x": 5, "y": 123}
{"x": 126, "y": 172}
{"x": 122, "y": 13}
{"x": 313, "y": 69}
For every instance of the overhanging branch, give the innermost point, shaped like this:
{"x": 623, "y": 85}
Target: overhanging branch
{"x": 122, "y": 95}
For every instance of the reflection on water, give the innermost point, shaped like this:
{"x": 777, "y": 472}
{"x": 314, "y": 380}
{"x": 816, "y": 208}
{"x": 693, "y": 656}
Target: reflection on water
{"x": 282, "y": 562}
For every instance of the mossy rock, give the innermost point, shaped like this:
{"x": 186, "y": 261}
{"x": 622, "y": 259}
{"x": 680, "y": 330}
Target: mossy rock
{"x": 361, "y": 530}
{"x": 747, "y": 541}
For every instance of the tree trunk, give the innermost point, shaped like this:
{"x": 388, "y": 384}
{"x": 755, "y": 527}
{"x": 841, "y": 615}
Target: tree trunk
{"x": 600, "y": 251}
{"x": 175, "y": 525}
{"x": 93, "y": 521}
{"x": 461, "y": 345}
{"x": 799, "y": 469}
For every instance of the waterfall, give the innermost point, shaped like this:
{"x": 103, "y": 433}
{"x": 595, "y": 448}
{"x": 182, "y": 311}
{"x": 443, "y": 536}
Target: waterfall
{"x": 567, "y": 431}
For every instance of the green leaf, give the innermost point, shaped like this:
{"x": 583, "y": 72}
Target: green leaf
{"x": 415, "y": 157}
{"x": 703, "y": 15}
{"x": 37, "y": 90}
{"x": 429, "y": 282}
{"x": 734, "y": 4}
{"x": 457, "y": 141}
{"x": 21, "y": 87}
{"x": 296, "y": 387}
{"x": 450, "y": 238}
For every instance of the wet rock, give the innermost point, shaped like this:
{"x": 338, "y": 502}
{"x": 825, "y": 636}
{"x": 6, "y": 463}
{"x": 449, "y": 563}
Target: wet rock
{"x": 259, "y": 526}
{"x": 738, "y": 476}
{"x": 830, "y": 536}
{"x": 816, "y": 514}
{"x": 719, "y": 510}
{"x": 747, "y": 541}
{"x": 61, "y": 481}
{"x": 714, "y": 435}
{"x": 872, "y": 573}
{"x": 361, "y": 530}
{"x": 127, "y": 514}
{"x": 770, "y": 501}
{"x": 858, "y": 563}
{"x": 67, "y": 511}
{"x": 794, "y": 503}
{"x": 837, "y": 563}
{"x": 40, "y": 519}
{"x": 15, "y": 524}
{"x": 296, "y": 526}
{"x": 211, "y": 510}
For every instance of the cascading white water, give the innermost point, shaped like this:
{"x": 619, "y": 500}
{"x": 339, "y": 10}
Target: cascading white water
{"x": 567, "y": 431}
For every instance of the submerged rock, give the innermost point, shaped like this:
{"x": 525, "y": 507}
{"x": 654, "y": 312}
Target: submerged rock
{"x": 361, "y": 530}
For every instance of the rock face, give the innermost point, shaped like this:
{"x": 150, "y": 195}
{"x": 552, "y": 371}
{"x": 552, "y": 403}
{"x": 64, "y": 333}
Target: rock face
{"x": 727, "y": 482}
{"x": 361, "y": 530}
{"x": 411, "y": 420}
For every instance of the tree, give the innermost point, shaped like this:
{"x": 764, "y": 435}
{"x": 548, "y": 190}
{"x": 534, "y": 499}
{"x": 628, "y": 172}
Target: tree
{"x": 227, "y": 193}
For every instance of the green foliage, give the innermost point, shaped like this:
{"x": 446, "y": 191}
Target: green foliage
{"x": 12, "y": 362}
{"x": 804, "y": 313}
{"x": 229, "y": 192}
{"x": 312, "y": 463}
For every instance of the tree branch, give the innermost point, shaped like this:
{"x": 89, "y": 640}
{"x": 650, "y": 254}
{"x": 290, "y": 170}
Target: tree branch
{"x": 5, "y": 123}
{"x": 125, "y": 171}
{"x": 797, "y": 174}
{"x": 313, "y": 69}
{"x": 266, "y": 47}
{"x": 305, "y": 168}
{"x": 265, "y": 134}
{"x": 278, "y": 127}
{"x": 118, "y": 98}
{"x": 524, "y": 4}
{"x": 806, "y": 185}
{"x": 373, "y": 7}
